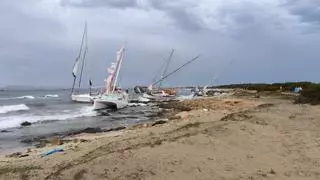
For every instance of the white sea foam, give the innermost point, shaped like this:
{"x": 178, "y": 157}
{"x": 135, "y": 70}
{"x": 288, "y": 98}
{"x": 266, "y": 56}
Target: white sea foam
{"x": 136, "y": 104}
{"x": 182, "y": 97}
{"x": 31, "y": 97}
{"x": 142, "y": 99}
{"x": 15, "y": 121}
{"x": 12, "y": 108}
{"x": 51, "y": 96}
{"x": 25, "y": 97}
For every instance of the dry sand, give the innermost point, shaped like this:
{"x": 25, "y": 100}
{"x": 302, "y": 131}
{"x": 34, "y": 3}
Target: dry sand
{"x": 265, "y": 138}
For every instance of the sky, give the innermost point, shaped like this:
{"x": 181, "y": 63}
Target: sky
{"x": 238, "y": 40}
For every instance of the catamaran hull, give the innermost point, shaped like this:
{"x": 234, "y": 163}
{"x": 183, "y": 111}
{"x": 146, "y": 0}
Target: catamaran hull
{"x": 102, "y": 104}
{"x": 82, "y": 98}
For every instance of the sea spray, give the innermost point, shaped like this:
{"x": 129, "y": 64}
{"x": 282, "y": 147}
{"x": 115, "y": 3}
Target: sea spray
{"x": 12, "y": 108}
{"x": 15, "y": 121}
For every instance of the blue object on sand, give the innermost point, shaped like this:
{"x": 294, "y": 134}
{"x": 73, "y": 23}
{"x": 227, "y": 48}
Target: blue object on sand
{"x": 53, "y": 151}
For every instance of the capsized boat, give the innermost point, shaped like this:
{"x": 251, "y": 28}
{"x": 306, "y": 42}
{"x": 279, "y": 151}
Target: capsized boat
{"x": 113, "y": 97}
{"x": 76, "y": 96}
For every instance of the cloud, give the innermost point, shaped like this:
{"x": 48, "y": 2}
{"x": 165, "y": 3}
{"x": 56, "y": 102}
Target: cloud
{"x": 308, "y": 10}
{"x": 180, "y": 11}
{"x": 265, "y": 38}
{"x": 101, "y": 3}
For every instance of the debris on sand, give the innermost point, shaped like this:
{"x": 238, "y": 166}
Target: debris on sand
{"x": 53, "y": 151}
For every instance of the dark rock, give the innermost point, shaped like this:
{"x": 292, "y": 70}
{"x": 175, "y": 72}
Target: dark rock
{"x": 89, "y": 131}
{"x": 115, "y": 129}
{"x": 94, "y": 130}
{"x": 15, "y": 155}
{"x": 40, "y": 145}
{"x": 23, "y": 155}
{"x": 26, "y": 123}
{"x": 174, "y": 117}
{"x": 33, "y": 140}
{"x": 159, "y": 122}
{"x": 102, "y": 113}
{"x": 83, "y": 140}
{"x": 272, "y": 171}
{"x": 27, "y": 141}
{"x": 5, "y": 131}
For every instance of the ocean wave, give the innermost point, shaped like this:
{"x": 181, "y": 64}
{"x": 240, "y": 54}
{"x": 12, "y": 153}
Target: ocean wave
{"x": 32, "y": 97}
{"x": 20, "y": 97}
{"x": 15, "y": 121}
{"x": 12, "y": 108}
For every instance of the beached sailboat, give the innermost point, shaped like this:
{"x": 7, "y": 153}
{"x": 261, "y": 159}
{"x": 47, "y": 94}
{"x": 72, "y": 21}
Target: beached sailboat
{"x": 164, "y": 94}
{"x": 79, "y": 64}
{"x": 113, "y": 97}
{"x": 155, "y": 91}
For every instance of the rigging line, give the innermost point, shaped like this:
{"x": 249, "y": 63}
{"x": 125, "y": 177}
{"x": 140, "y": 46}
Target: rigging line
{"x": 176, "y": 70}
{"x": 84, "y": 53}
{"x": 167, "y": 66}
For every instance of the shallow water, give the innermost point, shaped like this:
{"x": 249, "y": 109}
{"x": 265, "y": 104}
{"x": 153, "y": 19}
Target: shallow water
{"x": 51, "y": 112}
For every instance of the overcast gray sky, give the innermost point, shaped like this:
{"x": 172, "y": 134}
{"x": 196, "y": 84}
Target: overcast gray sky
{"x": 266, "y": 40}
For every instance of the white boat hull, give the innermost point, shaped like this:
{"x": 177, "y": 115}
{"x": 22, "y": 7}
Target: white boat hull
{"x": 82, "y": 98}
{"x": 157, "y": 97}
{"x": 113, "y": 101}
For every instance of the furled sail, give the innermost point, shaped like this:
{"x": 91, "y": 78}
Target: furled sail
{"x": 113, "y": 71}
{"x": 75, "y": 67}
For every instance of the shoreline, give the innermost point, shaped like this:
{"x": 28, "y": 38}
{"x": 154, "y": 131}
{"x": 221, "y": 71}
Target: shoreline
{"x": 229, "y": 138}
{"x": 41, "y": 139}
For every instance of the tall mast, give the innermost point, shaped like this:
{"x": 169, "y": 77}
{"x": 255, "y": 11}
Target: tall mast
{"x": 76, "y": 63}
{"x": 84, "y": 40}
{"x": 121, "y": 56}
{"x": 167, "y": 66}
{"x": 176, "y": 70}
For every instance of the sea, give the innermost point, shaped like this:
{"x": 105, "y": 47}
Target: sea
{"x": 51, "y": 112}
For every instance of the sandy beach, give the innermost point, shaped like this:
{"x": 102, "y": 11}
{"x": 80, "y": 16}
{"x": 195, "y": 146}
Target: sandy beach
{"x": 238, "y": 137}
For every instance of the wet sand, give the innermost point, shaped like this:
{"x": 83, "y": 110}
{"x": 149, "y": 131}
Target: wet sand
{"x": 226, "y": 138}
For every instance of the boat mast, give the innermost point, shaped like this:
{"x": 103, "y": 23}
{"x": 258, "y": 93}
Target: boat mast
{"x": 167, "y": 66}
{"x": 176, "y": 70}
{"x": 121, "y": 56}
{"x": 84, "y": 40}
{"x": 76, "y": 64}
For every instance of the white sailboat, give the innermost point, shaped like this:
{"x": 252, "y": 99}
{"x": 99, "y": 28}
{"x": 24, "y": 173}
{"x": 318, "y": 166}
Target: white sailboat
{"x": 163, "y": 94}
{"x": 76, "y": 96}
{"x": 113, "y": 97}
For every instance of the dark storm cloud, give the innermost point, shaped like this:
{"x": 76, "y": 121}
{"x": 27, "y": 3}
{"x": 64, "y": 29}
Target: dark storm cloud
{"x": 307, "y": 10}
{"x": 40, "y": 38}
{"x": 179, "y": 11}
{"x": 101, "y": 3}
{"x": 29, "y": 46}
